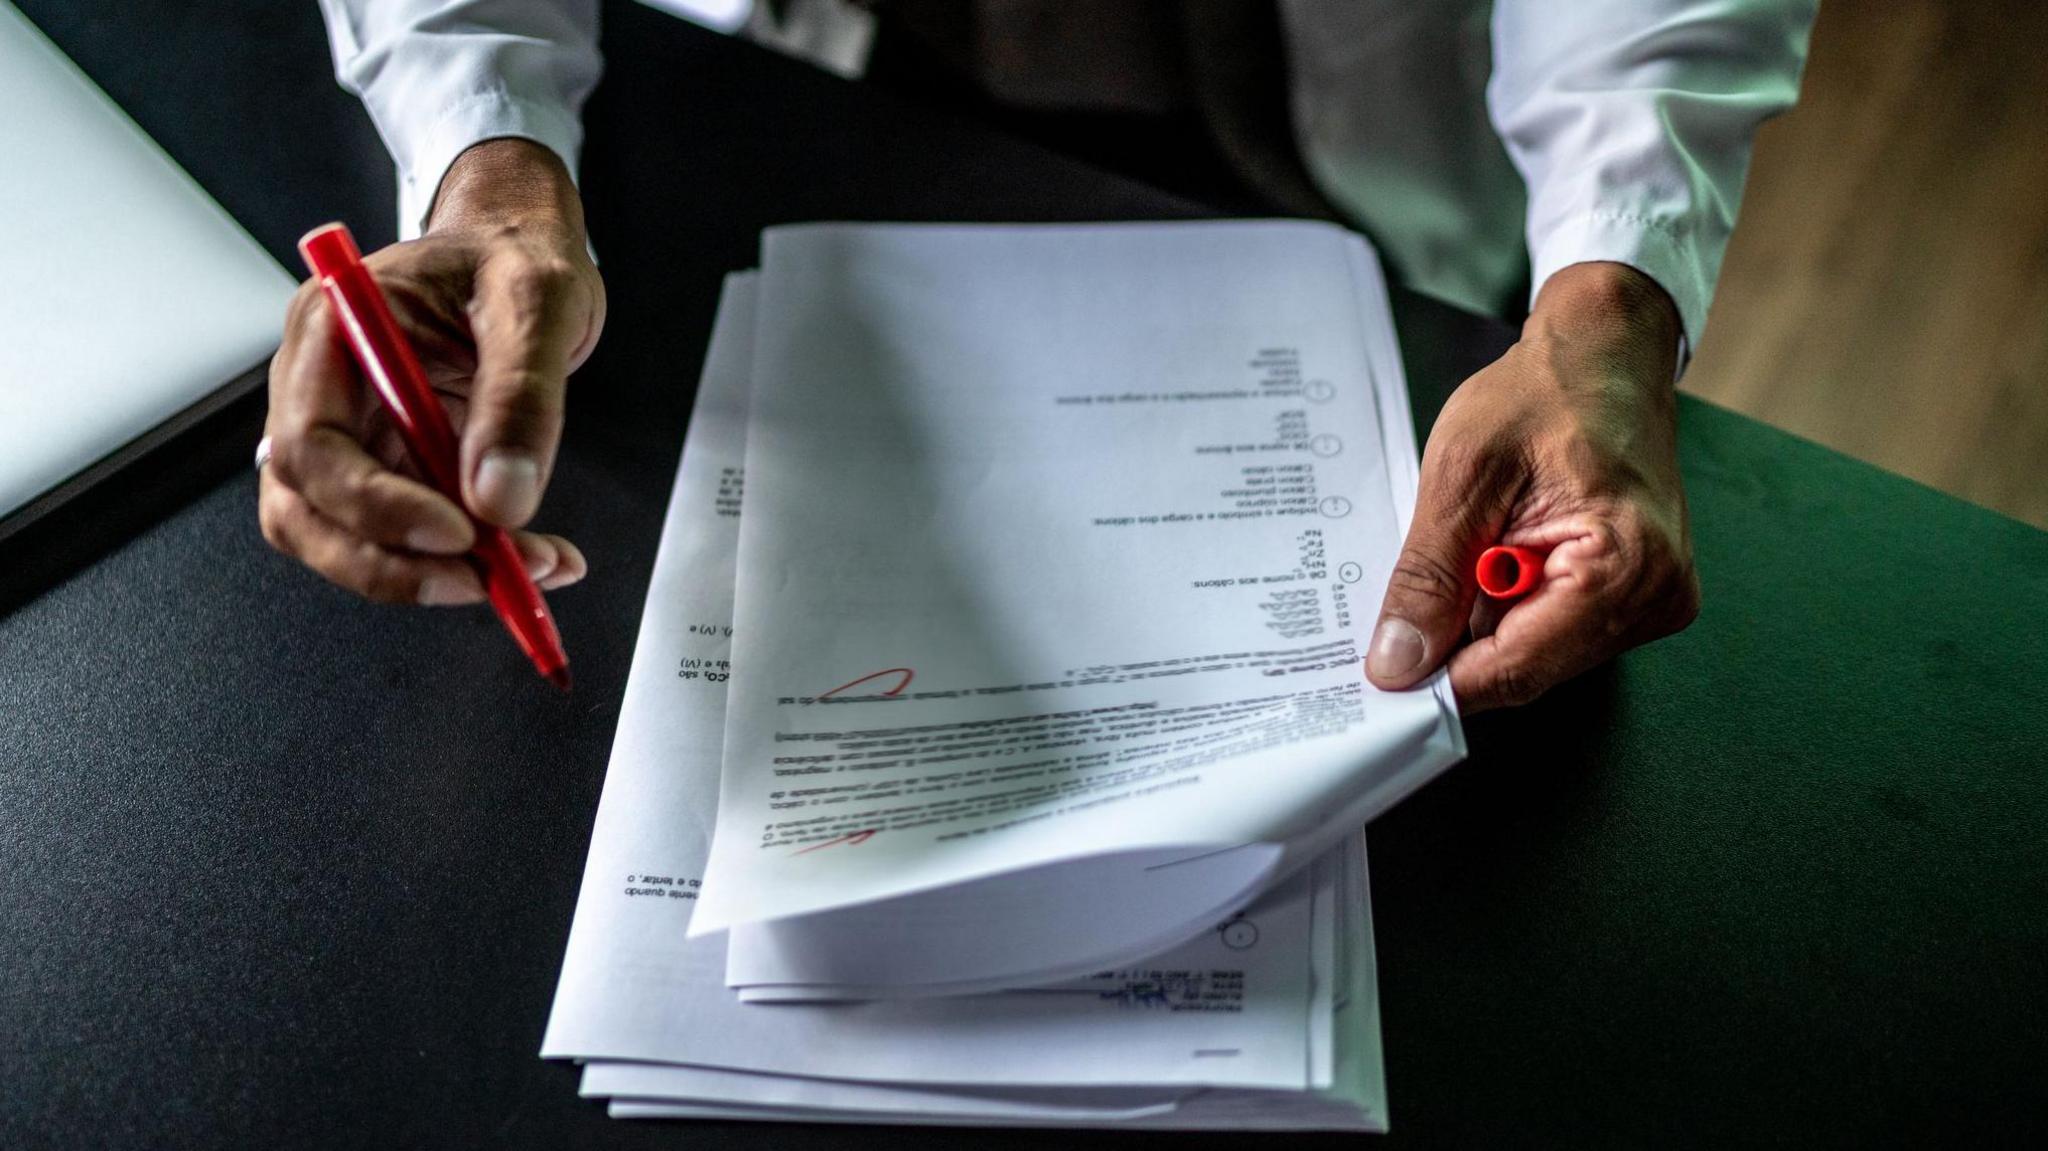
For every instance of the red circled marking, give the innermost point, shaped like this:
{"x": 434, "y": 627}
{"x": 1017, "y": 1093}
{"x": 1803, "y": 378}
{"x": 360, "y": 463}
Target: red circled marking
{"x": 905, "y": 672}
{"x": 849, "y": 840}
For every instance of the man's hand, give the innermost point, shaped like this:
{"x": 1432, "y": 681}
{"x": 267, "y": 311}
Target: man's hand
{"x": 1566, "y": 444}
{"x": 502, "y": 302}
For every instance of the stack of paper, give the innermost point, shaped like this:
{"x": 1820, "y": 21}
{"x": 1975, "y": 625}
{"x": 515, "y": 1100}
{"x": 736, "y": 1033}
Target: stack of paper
{"x": 1033, "y": 796}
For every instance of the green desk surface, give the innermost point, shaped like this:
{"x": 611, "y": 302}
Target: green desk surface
{"x": 1791, "y": 863}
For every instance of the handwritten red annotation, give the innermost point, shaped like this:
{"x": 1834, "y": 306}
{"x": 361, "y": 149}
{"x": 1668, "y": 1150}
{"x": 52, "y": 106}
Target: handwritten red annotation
{"x": 893, "y": 692}
{"x": 849, "y": 840}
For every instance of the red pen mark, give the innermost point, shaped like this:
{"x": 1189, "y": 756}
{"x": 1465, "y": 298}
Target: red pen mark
{"x": 905, "y": 672}
{"x": 849, "y": 840}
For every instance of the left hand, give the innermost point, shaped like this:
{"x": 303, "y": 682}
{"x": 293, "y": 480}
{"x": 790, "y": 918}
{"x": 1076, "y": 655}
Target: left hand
{"x": 1568, "y": 445}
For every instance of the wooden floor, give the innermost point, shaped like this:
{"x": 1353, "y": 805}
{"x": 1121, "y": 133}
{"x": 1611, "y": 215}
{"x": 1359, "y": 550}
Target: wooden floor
{"x": 1887, "y": 290}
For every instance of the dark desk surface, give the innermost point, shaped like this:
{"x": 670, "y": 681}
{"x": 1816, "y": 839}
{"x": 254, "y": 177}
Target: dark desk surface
{"x": 278, "y": 868}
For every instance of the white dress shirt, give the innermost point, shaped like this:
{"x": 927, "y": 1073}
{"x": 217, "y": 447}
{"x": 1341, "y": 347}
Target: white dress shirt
{"x": 1454, "y": 131}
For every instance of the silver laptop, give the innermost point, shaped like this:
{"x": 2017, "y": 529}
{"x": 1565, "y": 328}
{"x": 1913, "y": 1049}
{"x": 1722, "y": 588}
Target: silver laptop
{"x": 131, "y": 306}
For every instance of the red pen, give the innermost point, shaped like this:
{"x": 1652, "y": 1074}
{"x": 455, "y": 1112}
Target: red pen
{"x": 394, "y": 371}
{"x": 1505, "y": 572}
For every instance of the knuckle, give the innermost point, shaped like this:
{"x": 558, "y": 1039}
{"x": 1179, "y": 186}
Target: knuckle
{"x": 270, "y": 518}
{"x": 300, "y": 461}
{"x": 1619, "y": 577}
{"x": 1635, "y": 542}
{"x": 387, "y": 579}
{"x": 539, "y": 285}
{"x": 358, "y": 490}
{"x": 1620, "y": 571}
{"x": 288, "y": 452}
{"x": 1664, "y": 569}
{"x": 527, "y": 295}
{"x": 555, "y": 273}
{"x": 1646, "y": 576}
{"x": 1513, "y": 686}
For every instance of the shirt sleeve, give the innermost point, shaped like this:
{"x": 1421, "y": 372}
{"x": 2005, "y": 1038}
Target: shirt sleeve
{"x": 1631, "y": 123}
{"x": 441, "y": 75}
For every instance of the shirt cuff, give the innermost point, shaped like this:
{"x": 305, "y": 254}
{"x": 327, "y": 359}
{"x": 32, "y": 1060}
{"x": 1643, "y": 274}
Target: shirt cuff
{"x": 1654, "y": 248}
{"x": 488, "y": 116}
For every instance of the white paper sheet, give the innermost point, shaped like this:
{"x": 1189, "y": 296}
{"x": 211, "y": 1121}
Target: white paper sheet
{"x": 1219, "y": 1011}
{"x": 700, "y": 1086}
{"x": 646, "y": 1006}
{"x": 1355, "y": 1100}
{"x": 1109, "y": 514}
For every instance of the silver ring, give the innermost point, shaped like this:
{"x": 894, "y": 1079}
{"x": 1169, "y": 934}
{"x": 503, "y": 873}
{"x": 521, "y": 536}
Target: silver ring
{"x": 262, "y": 452}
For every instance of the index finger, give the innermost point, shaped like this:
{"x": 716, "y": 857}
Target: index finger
{"x": 313, "y": 381}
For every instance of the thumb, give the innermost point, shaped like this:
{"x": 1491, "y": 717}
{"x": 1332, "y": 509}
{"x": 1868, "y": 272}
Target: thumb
{"x": 1430, "y": 593}
{"x": 526, "y": 325}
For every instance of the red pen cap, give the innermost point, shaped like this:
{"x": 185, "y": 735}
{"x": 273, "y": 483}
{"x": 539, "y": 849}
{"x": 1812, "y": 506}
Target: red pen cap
{"x": 385, "y": 354}
{"x": 329, "y": 248}
{"x": 1505, "y": 572}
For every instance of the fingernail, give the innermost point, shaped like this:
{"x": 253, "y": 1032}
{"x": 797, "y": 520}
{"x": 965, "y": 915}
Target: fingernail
{"x": 562, "y": 578}
{"x": 440, "y": 589}
{"x": 508, "y": 484}
{"x": 441, "y": 537}
{"x": 539, "y": 565}
{"x": 1397, "y": 649}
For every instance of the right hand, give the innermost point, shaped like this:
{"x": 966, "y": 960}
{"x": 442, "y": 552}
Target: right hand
{"x": 502, "y": 302}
